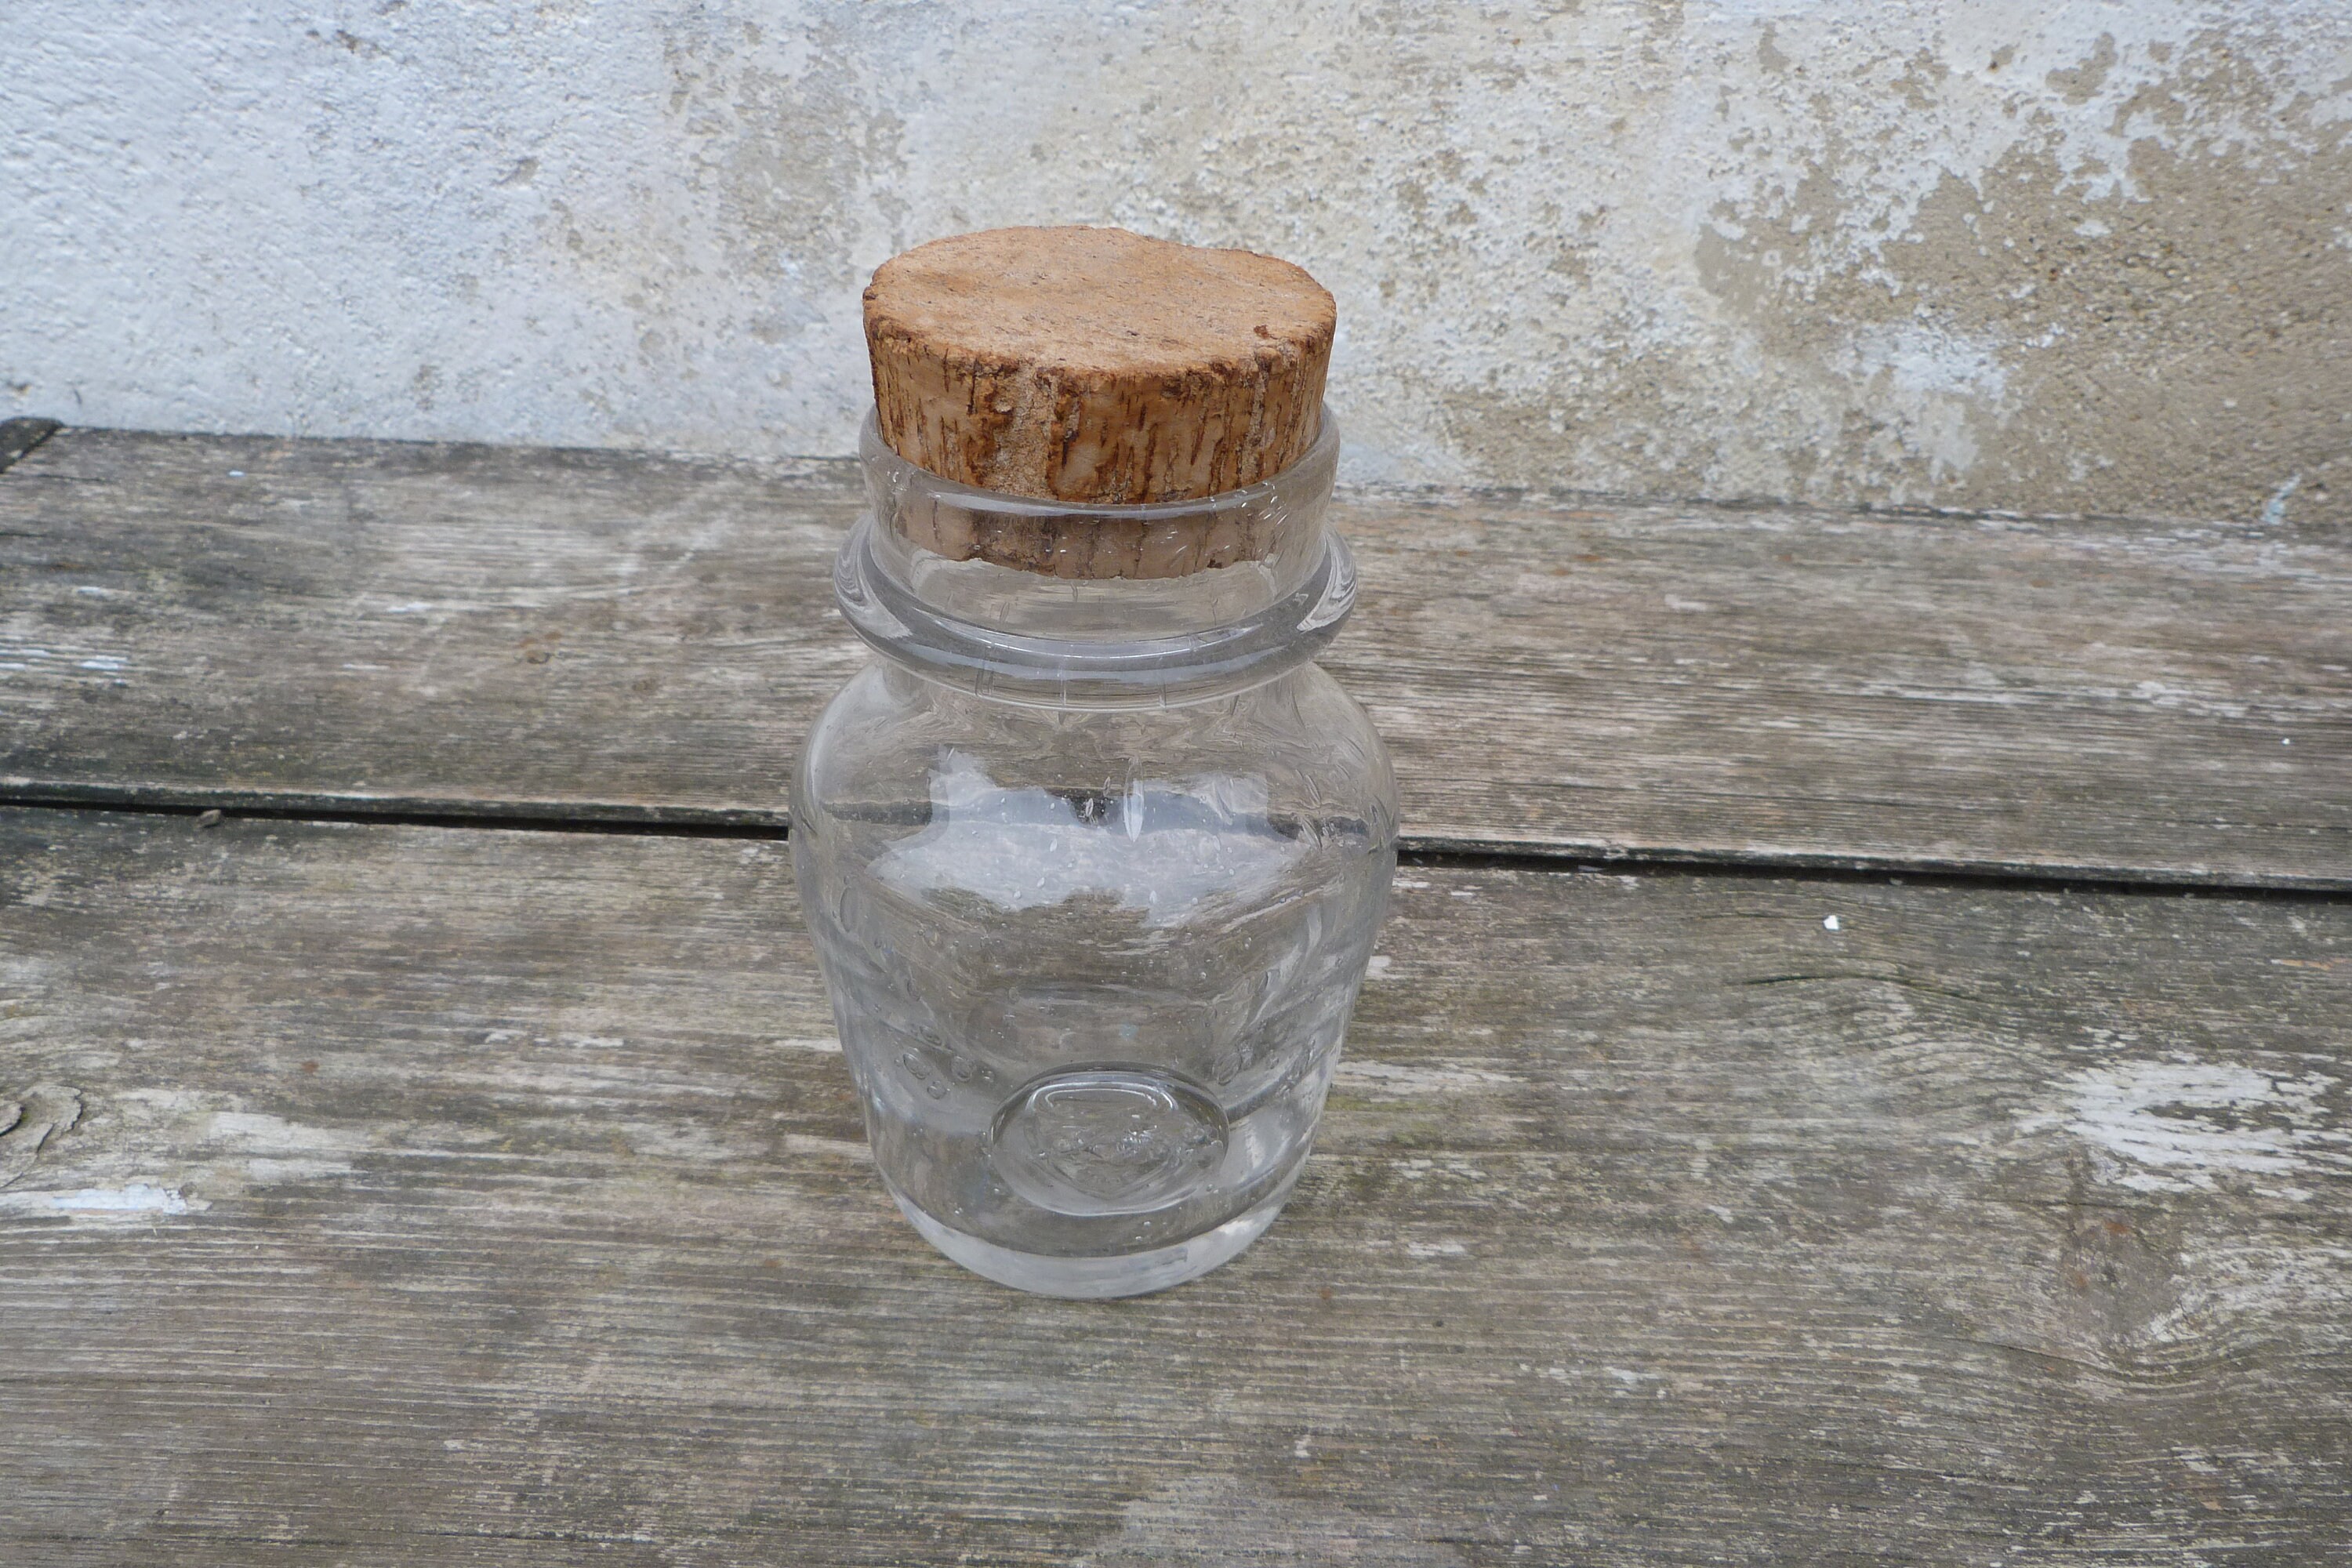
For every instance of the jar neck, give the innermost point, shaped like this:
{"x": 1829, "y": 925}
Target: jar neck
{"x": 1057, "y": 603}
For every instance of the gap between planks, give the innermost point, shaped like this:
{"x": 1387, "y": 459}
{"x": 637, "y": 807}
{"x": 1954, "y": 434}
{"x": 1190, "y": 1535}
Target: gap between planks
{"x": 1776, "y": 690}
{"x": 628, "y": 821}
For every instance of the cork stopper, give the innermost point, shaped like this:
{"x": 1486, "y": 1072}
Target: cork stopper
{"x": 1094, "y": 366}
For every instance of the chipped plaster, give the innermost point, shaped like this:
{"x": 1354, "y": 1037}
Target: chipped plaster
{"x": 2068, "y": 255}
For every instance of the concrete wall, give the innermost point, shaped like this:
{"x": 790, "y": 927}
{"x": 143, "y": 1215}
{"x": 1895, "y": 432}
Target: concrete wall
{"x": 2051, "y": 255}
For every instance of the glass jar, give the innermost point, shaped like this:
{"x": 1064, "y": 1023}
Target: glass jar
{"x": 1094, "y": 863}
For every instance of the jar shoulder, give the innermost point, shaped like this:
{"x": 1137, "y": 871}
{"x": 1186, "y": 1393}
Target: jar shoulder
{"x": 1300, "y": 739}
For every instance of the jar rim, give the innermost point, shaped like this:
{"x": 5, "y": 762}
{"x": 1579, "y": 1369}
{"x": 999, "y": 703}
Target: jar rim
{"x": 1162, "y": 670}
{"x": 879, "y": 456}
{"x": 1258, "y": 584}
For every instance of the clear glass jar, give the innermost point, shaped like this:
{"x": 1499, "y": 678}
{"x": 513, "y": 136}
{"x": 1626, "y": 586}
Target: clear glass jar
{"x": 1094, "y": 865}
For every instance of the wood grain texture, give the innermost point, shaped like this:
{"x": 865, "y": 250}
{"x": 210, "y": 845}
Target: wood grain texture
{"x": 376, "y": 627}
{"x": 18, "y": 436}
{"x": 382, "y": 1196}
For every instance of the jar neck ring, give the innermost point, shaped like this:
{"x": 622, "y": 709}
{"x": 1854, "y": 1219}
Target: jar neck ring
{"x": 1038, "y": 637}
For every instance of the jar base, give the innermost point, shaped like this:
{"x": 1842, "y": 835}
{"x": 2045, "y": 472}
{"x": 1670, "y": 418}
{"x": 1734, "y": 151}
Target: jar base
{"x": 1098, "y": 1278}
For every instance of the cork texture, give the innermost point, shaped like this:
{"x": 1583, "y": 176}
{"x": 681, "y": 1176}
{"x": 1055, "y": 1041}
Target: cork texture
{"x": 1091, "y": 547}
{"x": 1092, "y": 364}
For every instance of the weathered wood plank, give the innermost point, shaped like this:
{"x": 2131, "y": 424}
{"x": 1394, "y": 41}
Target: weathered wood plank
{"x": 18, "y": 436}
{"x": 342, "y": 625}
{"x": 384, "y": 1196}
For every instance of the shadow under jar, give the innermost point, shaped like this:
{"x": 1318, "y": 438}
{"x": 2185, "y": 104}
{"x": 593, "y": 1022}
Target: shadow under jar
{"x": 1094, "y": 855}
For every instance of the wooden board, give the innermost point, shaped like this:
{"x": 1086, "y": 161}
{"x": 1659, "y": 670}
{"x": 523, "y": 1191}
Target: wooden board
{"x": 353, "y": 627}
{"x": 18, "y": 436}
{"x": 386, "y": 1196}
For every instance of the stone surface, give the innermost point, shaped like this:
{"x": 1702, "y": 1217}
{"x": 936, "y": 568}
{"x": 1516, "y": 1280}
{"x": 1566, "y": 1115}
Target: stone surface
{"x": 2042, "y": 257}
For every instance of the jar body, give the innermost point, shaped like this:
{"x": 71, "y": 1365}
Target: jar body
{"x": 1091, "y": 961}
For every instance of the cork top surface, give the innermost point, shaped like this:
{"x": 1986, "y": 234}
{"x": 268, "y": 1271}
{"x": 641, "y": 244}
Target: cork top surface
{"x": 1097, "y": 367}
{"x": 1098, "y": 301}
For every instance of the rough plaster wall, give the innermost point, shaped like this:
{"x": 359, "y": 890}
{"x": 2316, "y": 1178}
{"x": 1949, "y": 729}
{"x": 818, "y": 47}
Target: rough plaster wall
{"x": 2050, "y": 255}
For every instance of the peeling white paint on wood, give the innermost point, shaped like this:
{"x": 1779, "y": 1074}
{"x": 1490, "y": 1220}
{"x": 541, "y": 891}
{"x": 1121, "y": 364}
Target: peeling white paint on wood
{"x": 137, "y": 1198}
{"x": 1397, "y": 1078}
{"x": 2178, "y": 1125}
